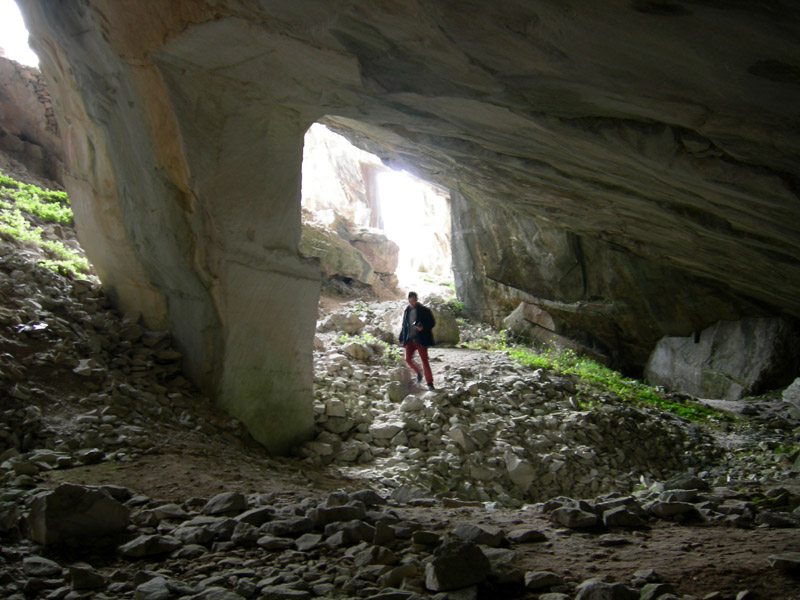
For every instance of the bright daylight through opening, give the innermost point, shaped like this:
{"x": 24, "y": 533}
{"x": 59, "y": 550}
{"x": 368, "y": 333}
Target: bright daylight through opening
{"x": 14, "y": 35}
{"x": 411, "y": 210}
{"x": 354, "y": 196}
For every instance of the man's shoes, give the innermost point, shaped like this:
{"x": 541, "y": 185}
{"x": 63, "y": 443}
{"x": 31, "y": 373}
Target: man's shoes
{"x": 430, "y": 386}
{"x": 419, "y": 377}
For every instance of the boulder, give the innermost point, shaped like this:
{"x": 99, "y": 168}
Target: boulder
{"x": 75, "y": 514}
{"x": 621, "y": 517}
{"x": 456, "y": 565}
{"x": 345, "y": 322}
{"x": 85, "y": 577}
{"x": 521, "y": 472}
{"x": 787, "y": 561}
{"x": 9, "y": 516}
{"x": 398, "y": 390}
{"x": 595, "y": 589}
{"x": 574, "y": 518}
{"x": 226, "y": 503}
{"x": 358, "y": 351}
{"x": 381, "y": 252}
{"x": 153, "y": 589}
{"x": 532, "y": 323}
{"x": 537, "y": 580}
{"x": 338, "y": 258}
{"x": 149, "y": 545}
{"x": 526, "y": 536}
{"x": 791, "y": 395}
{"x": 727, "y": 360}
{"x": 445, "y": 332}
{"x": 38, "y": 566}
{"x": 485, "y": 535}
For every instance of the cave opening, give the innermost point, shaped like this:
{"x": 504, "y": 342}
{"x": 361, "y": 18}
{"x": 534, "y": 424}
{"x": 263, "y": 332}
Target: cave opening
{"x": 396, "y": 222}
{"x": 14, "y": 35}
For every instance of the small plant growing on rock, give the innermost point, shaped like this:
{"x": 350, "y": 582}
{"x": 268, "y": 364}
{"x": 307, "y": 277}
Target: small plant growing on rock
{"x": 26, "y": 210}
{"x": 456, "y": 306}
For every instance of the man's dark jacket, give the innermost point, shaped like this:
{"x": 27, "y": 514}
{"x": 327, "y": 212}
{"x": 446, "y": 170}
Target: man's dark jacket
{"x": 424, "y": 318}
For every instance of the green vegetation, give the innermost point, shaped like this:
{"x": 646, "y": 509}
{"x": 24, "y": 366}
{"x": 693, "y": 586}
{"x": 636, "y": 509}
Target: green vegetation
{"x": 23, "y": 208}
{"x": 493, "y": 342}
{"x": 786, "y": 449}
{"x": 457, "y": 306}
{"x": 360, "y": 308}
{"x": 45, "y": 204}
{"x": 362, "y": 338}
{"x": 594, "y": 377}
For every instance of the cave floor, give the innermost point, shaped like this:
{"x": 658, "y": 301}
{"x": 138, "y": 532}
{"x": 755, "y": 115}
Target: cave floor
{"x": 697, "y": 558}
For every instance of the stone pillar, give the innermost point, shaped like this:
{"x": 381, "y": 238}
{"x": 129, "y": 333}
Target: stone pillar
{"x": 266, "y": 294}
{"x": 186, "y": 192}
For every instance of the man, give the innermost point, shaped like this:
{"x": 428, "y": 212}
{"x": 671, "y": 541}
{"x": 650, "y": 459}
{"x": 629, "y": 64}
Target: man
{"x": 416, "y": 335}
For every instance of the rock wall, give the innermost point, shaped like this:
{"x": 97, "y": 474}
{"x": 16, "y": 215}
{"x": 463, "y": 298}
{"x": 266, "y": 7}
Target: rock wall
{"x": 28, "y": 127}
{"x": 342, "y": 219}
{"x": 611, "y": 303}
{"x": 661, "y": 140}
{"x": 728, "y": 360}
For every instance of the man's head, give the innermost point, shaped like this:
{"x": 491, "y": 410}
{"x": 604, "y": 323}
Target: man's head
{"x": 412, "y": 298}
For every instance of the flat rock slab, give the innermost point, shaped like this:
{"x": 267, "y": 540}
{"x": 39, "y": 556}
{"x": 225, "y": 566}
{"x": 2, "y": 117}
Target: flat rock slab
{"x": 788, "y": 561}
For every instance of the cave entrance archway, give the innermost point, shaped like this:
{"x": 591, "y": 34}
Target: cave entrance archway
{"x": 349, "y": 191}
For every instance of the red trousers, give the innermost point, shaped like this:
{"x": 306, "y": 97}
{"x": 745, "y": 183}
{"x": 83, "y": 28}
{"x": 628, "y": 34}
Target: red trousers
{"x": 412, "y": 347}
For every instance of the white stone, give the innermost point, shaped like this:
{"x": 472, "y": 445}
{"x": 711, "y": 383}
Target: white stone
{"x": 412, "y": 403}
{"x": 335, "y": 408}
{"x": 385, "y": 430}
{"x": 461, "y": 437}
{"x": 520, "y": 471}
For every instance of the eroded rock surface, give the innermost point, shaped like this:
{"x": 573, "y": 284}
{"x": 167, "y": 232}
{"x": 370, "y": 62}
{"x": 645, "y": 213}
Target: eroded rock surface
{"x": 28, "y": 127}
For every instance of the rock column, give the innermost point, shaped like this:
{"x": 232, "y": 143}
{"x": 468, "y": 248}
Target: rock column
{"x": 186, "y": 191}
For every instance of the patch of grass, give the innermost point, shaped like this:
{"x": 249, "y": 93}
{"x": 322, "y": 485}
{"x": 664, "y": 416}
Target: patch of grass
{"x": 594, "y": 376}
{"x": 360, "y": 308}
{"x": 602, "y": 378}
{"x": 46, "y": 204}
{"x": 21, "y": 206}
{"x": 393, "y": 354}
{"x": 786, "y": 448}
{"x": 493, "y": 342}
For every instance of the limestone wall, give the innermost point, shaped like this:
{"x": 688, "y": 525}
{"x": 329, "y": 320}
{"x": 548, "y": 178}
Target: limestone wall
{"x": 28, "y": 127}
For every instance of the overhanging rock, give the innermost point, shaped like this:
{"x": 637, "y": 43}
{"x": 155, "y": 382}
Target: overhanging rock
{"x": 622, "y": 148}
